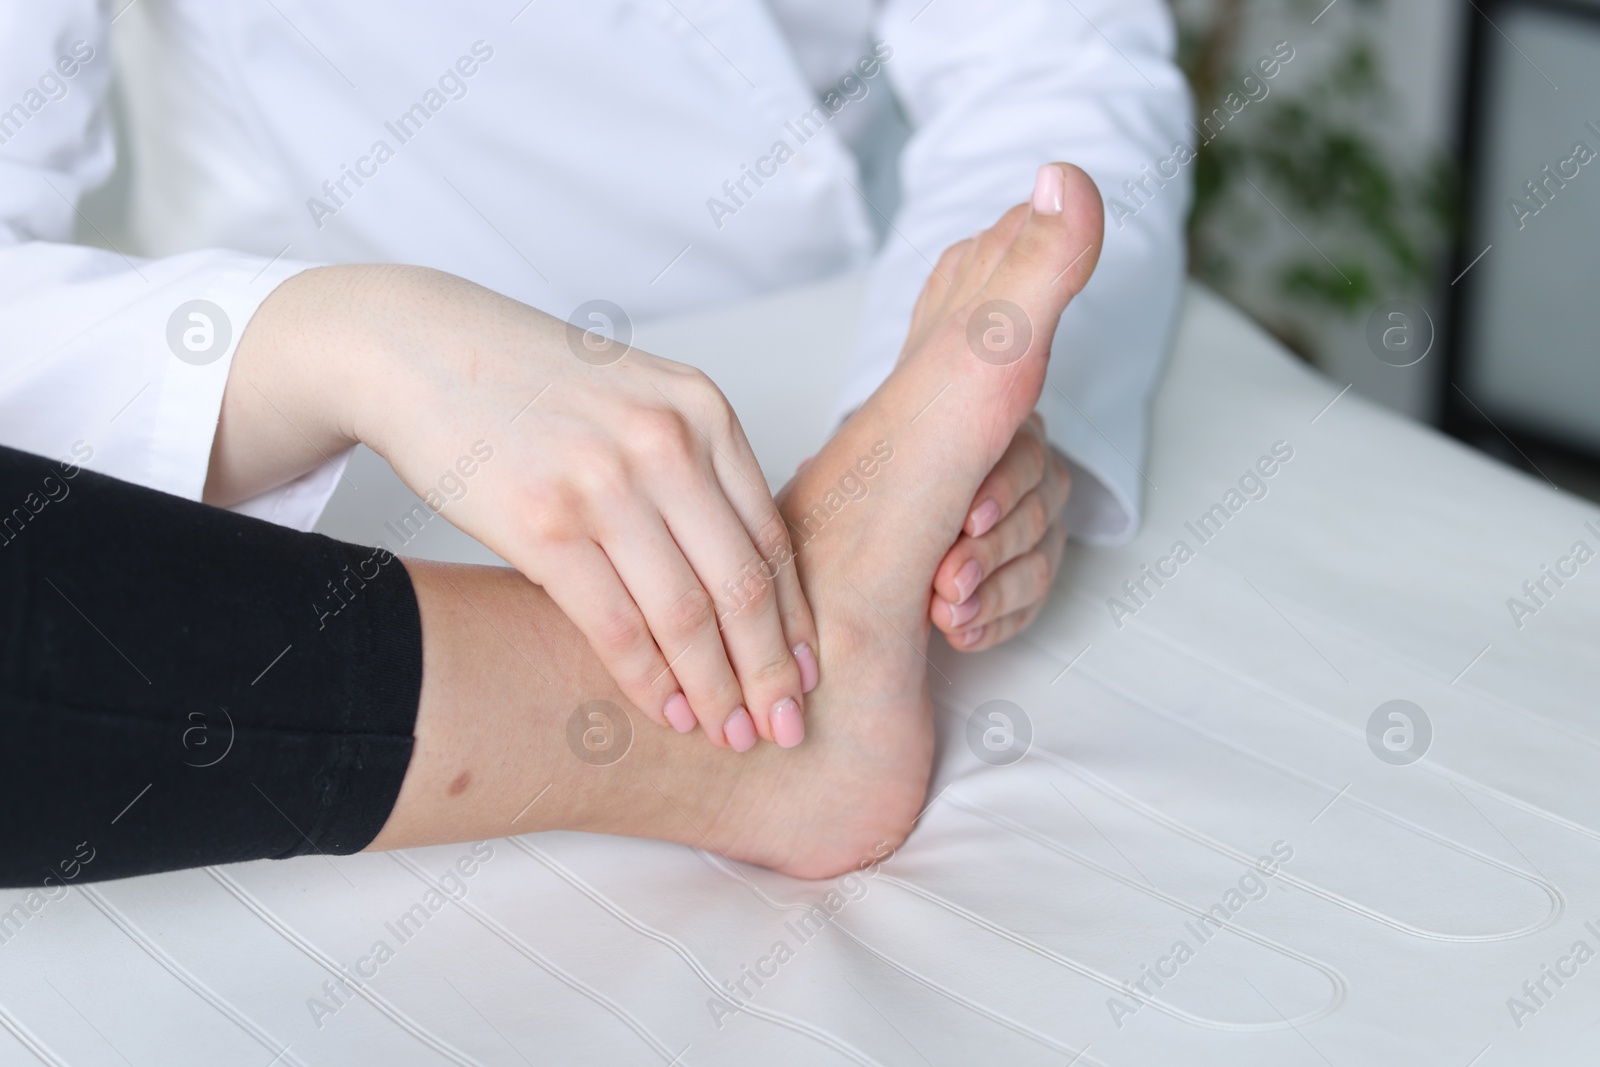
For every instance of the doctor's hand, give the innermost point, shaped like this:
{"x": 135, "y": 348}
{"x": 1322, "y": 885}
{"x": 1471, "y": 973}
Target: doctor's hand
{"x": 619, "y": 481}
{"x": 994, "y": 580}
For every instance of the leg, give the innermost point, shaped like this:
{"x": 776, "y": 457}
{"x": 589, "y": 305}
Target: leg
{"x": 871, "y": 515}
{"x": 504, "y": 670}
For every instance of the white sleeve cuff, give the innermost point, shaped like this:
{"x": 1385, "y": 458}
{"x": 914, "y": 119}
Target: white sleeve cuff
{"x": 1101, "y": 508}
{"x": 100, "y": 372}
{"x": 299, "y": 504}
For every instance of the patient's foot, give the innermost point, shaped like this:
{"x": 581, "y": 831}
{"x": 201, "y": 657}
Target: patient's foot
{"x": 875, "y": 511}
{"x": 871, "y": 517}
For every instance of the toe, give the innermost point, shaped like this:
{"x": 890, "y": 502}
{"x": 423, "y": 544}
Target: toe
{"x": 991, "y": 245}
{"x": 1056, "y": 246}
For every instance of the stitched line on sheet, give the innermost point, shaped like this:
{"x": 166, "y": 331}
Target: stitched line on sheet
{"x": 516, "y": 943}
{"x": 1340, "y": 988}
{"x": 182, "y": 974}
{"x": 1554, "y": 895}
{"x": 1427, "y": 766}
{"x": 722, "y": 867}
{"x": 805, "y": 1029}
{"x": 1316, "y": 715}
{"x": 1336, "y": 980}
{"x": 371, "y": 996}
{"x": 1111, "y": 792}
{"x": 28, "y": 1040}
{"x": 1377, "y": 651}
{"x": 1080, "y": 969}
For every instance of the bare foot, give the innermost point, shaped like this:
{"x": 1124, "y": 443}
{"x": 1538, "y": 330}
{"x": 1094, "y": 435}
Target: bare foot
{"x": 871, "y": 517}
{"x": 874, "y": 512}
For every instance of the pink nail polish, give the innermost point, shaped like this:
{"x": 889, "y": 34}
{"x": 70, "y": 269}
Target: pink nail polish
{"x": 970, "y": 637}
{"x": 1049, "y": 188}
{"x": 679, "y": 714}
{"x": 807, "y": 660}
{"x": 740, "y": 731}
{"x": 967, "y": 579}
{"x": 984, "y": 516}
{"x": 964, "y": 612}
{"x": 788, "y": 728}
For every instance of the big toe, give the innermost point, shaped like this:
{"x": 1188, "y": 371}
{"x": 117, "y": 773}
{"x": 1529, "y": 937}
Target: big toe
{"x": 1055, "y": 248}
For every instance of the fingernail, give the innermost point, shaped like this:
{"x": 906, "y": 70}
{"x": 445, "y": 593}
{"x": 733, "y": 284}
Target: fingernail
{"x": 964, "y": 612}
{"x": 970, "y": 637}
{"x": 788, "y": 728}
{"x": 808, "y": 667}
{"x": 679, "y": 714}
{"x": 1048, "y": 189}
{"x": 740, "y": 731}
{"x": 984, "y": 516}
{"x": 967, "y": 579}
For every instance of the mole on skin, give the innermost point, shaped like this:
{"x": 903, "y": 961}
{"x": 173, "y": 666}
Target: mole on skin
{"x": 460, "y": 784}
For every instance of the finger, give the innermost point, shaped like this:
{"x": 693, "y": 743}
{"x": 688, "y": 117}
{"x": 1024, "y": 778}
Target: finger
{"x": 1020, "y": 469}
{"x": 794, "y": 611}
{"x": 972, "y": 559}
{"x": 711, "y": 493}
{"x": 1023, "y": 581}
{"x": 740, "y": 478}
{"x": 722, "y": 515}
{"x": 1018, "y": 472}
{"x": 747, "y": 491}
{"x": 720, "y": 551}
{"x": 682, "y": 616}
{"x": 998, "y": 632}
{"x": 588, "y": 590}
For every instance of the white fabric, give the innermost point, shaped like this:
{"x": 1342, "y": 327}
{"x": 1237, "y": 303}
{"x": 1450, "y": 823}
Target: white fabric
{"x": 1226, "y": 716}
{"x": 557, "y": 152}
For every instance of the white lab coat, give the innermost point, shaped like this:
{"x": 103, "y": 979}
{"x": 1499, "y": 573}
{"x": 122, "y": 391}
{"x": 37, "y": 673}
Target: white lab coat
{"x": 557, "y": 151}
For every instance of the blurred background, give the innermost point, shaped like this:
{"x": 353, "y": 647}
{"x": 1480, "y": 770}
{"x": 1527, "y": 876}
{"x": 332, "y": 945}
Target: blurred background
{"x": 1411, "y": 205}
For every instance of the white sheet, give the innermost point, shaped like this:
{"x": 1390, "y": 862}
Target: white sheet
{"x": 1228, "y": 714}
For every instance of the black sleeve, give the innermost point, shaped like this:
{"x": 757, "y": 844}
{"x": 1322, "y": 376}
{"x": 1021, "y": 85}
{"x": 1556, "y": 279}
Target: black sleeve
{"x": 182, "y": 686}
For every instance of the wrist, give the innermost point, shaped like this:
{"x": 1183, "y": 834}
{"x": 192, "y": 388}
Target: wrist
{"x": 283, "y": 409}
{"x": 416, "y": 342}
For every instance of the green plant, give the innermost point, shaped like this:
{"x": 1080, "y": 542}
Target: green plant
{"x": 1375, "y": 223}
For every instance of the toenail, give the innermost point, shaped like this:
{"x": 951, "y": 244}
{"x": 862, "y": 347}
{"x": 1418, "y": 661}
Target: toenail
{"x": 788, "y": 728}
{"x": 807, "y": 660}
{"x": 967, "y": 579}
{"x": 740, "y": 731}
{"x": 970, "y": 637}
{"x": 1048, "y": 190}
{"x": 679, "y": 714}
{"x": 984, "y": 516}
{"x": 964, "y": 612}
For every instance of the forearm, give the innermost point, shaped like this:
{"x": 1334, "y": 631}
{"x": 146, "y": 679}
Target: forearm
{"x": 344, "y": 354}
{"x": 279, "y": 417}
